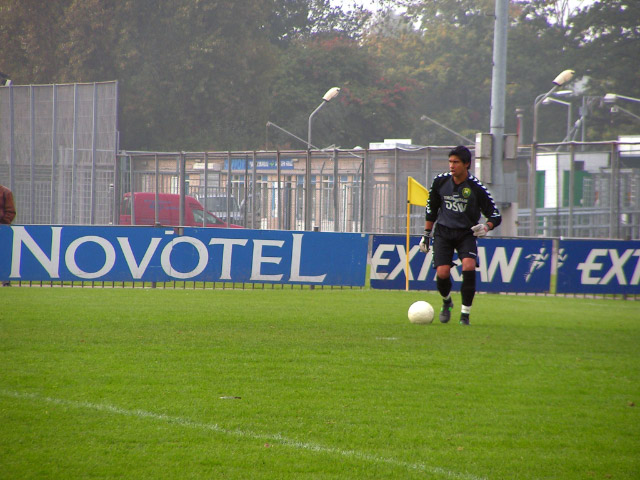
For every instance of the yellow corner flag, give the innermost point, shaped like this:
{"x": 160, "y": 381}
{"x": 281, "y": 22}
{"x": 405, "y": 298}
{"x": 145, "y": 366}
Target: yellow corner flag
{"x": 416, "y": 195}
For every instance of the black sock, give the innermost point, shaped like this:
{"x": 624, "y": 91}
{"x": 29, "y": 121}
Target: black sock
{"x": 468, "y": 288}
{"x": 444, "y": 286}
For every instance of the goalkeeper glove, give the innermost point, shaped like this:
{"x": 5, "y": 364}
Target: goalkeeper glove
{"x": 480, "y": 230}
{"x": 425, "y": 242}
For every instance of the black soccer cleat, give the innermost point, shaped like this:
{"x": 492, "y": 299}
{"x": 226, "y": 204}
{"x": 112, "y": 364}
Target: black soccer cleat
{"x": 445, "y": 312}
{"x": 464, "y": 319}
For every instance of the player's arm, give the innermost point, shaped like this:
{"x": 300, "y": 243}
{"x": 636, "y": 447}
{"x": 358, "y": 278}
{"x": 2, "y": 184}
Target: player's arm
{"x": 489, "y": 210}
{"x": 431, "y": 213}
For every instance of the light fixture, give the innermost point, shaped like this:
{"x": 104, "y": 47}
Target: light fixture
{"x": 560, "y": 80}
{"x": 564, "y": 77}
{"x": 5, "y": 81}
{"x": 330, "y": 95}
{"x": 614, "y": 97}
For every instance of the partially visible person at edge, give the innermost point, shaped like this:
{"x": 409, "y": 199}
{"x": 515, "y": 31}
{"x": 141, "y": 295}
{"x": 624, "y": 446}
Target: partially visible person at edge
{"x": 7, "y": 212}
{"x": 455, "y": 202}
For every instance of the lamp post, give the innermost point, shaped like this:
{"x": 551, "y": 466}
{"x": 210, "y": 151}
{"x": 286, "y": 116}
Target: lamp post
{"x": 560, "y": 80}
{"x": 331, "y": 94}
{"x": 549, "y": 100}
{"x": 612, "y": 98}
{"x": 563, "y": 78}
{"x": 618, "y": 108}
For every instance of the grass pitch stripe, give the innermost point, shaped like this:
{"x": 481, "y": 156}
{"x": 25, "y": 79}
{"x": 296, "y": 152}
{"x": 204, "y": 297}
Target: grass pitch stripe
{"x": 274, "y": 438}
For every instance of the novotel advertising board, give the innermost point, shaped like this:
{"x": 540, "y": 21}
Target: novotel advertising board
{"x": 505, "y": 265}
{"x": 599, "y": 267}
{"x": 91, "y": 253}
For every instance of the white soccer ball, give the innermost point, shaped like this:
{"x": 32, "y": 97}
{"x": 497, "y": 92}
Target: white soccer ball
{"x": 421, "y": 312}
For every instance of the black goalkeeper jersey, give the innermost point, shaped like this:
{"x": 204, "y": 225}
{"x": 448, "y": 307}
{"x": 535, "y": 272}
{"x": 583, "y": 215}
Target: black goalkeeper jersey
{"x": 460, "y": 206}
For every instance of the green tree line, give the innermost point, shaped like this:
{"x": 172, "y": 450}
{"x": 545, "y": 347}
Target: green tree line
{"x": 210, "y": 74}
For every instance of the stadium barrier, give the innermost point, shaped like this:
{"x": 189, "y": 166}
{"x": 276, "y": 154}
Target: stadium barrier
{"x": 150, "y": 254}
{"x": 505, "y": 265}
{"x": 598, "y": 267}
{"x": 46, "y": 253}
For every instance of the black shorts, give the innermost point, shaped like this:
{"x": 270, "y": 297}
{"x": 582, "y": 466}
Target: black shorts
{"x": 447, "y": 240}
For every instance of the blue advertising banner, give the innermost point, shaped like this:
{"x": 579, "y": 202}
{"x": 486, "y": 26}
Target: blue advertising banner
{"x": 598, "y": 266}
{"x": 505, "y": 265}
{"x": 91, "y": 253}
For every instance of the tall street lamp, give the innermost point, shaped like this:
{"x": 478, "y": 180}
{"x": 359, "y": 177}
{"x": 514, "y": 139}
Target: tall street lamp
{"x": 612, "y": 98}
{"x": 560, "y": 80}
{"x": 330, "y": 95}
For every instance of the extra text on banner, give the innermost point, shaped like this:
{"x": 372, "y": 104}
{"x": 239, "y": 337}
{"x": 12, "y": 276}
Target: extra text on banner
{"x": 599, "y": 267}
{"x": 506, "y": 265}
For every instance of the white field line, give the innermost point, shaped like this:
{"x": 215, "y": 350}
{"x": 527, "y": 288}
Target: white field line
{"x": 273, "y": 438}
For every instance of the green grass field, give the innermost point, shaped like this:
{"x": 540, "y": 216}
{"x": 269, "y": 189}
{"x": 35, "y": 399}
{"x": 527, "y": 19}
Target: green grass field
{"x": 314, "y": 384}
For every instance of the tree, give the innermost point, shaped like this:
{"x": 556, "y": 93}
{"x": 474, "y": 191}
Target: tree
{"x": 30, "y": 34}
{"x": 444, "y": 48}
{"x": 369, "y": 105}
{"x": 609, "y": 31}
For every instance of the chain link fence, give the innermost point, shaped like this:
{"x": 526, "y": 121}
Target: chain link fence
{"x": 57, "y": 150}
{"x": 580, "y": 190}
{"x": 59, "y": 155}
{"x": 335, "y": 190}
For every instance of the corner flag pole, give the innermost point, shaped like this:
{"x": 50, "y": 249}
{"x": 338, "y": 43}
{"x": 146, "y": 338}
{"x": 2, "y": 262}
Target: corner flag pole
{"x": 406, "y": 271}
{"x": 416, "y": 195}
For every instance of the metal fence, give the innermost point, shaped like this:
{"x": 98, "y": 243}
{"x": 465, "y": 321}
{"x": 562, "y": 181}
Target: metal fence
{"x": 580, "y": 190}
{"x": 57, "y": 150}
{"x": 59, "y": 155}
{"x": 347, "y": 190}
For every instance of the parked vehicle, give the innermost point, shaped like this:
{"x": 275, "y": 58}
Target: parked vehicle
{"x": 217, "y": 204}
{"x": 168, "y": 211}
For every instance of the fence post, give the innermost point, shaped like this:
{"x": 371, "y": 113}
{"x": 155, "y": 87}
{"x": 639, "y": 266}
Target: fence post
{"x": 206, "y": 185}
{"x": 307, "y": 192}
{"x": 12, "y": 145}
{"x": 32, "y": 156}
{"x": 395, "y": 191}
{"x": 559, "y": 192}
{"x": 532, "y": 190}
{"x": 228, "y": 186}
{"x": 54, "y": 153}
{"x": 73, "y": 155}
{"x": 156, "y": 207}
{"x": 336, "y": 192}
{"x": 614, "y": 188}
{"x": 278, "y": 192}
{"x": 131, "y": 191}
{"x": 253, "y": 192}
{"x": 572, "y": 171}
{"x": 94, "y": 134}
{"x": 182, "y": 180}
{"x": 245, "y": 190}
{"x": 364, "y": 226}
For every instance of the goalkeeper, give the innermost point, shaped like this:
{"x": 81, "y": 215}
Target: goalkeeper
{"x": 455, "y": 202}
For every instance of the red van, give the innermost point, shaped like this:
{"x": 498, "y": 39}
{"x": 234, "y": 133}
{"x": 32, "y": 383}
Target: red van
{"x": 168, "y": 211}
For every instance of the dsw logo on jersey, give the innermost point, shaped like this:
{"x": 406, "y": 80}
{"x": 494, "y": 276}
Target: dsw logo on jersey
{"x": 455, "y": 203}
